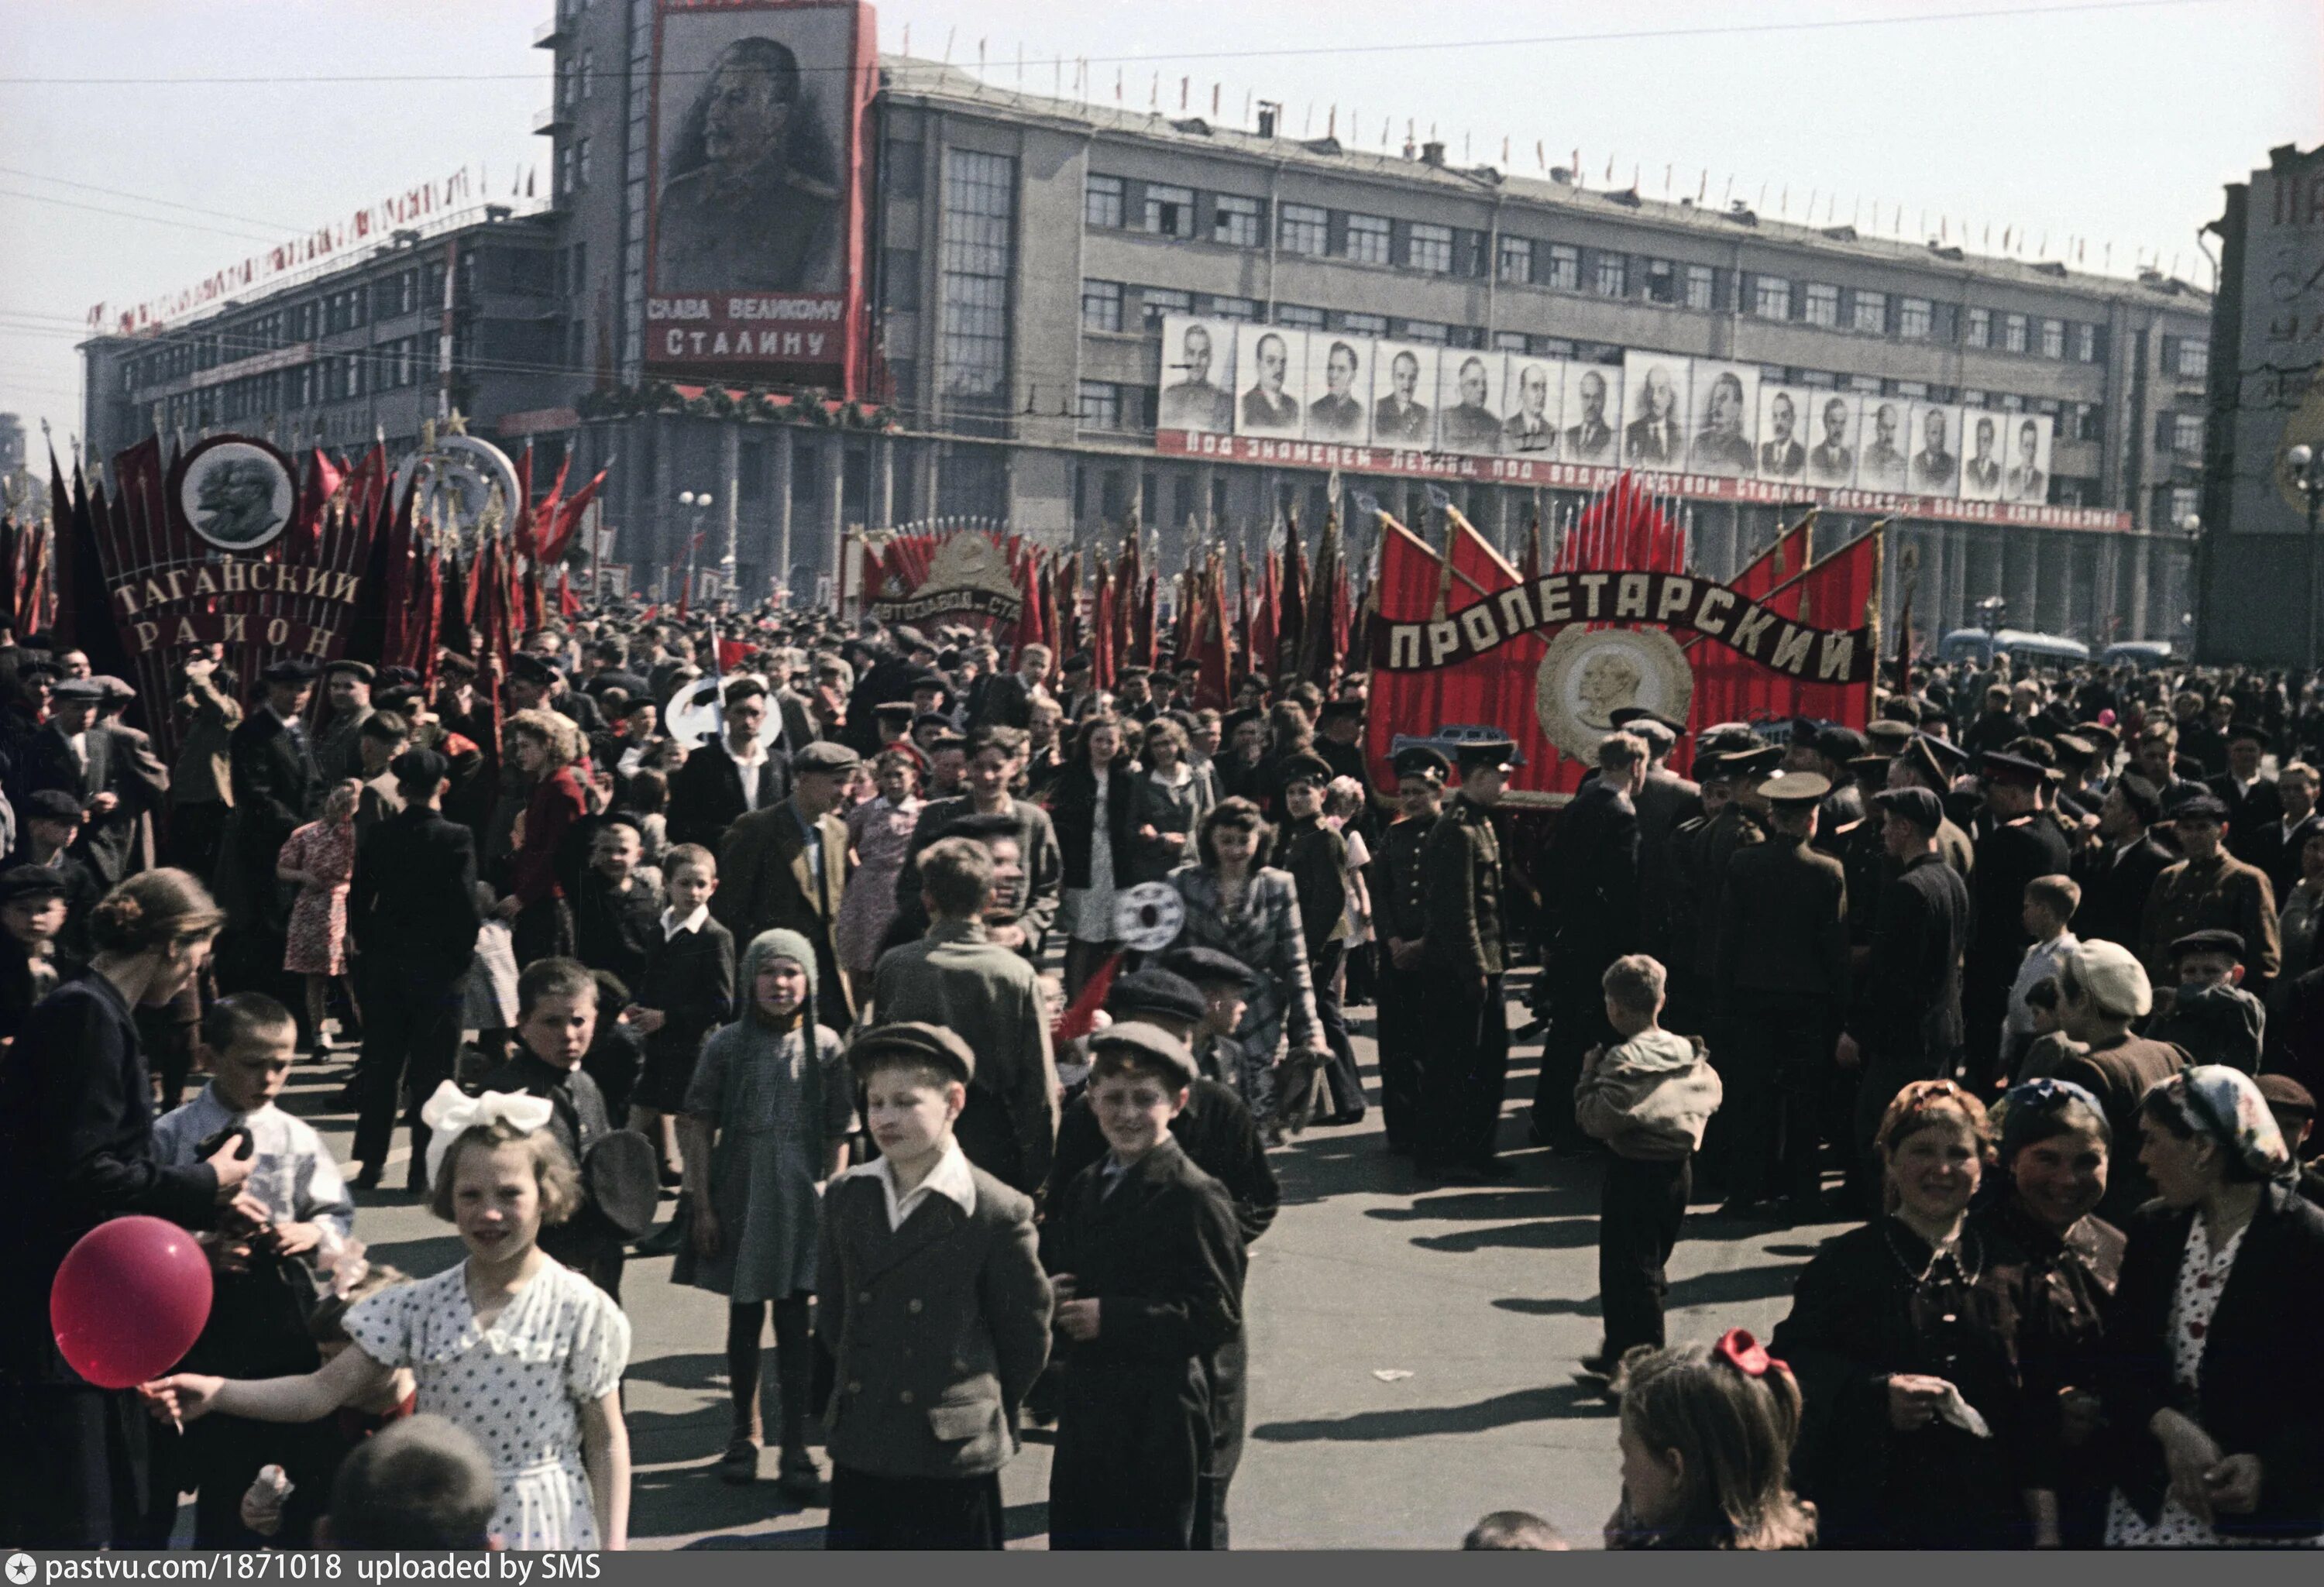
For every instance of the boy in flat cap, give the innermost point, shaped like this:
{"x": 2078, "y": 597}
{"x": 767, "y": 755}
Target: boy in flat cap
{"x": 32, "y": 913}
{"x": 1147, "y": 1258}
{"x": 2207, "y": 1011}
{"x": 48, "y": 822}
{"x": 933, "y": 1302}
{"x": 1218, "y": 1135}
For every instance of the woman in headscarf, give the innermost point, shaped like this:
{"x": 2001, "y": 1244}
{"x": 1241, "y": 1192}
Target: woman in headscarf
{"x": 771, "y": 1088}
{"x": 2215, "y": 1389}
{"x": 2049, "y": 1175}
{"x": 1904, "y": 1335}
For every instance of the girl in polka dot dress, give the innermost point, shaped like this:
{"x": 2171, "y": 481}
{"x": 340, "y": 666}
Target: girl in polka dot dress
{"x": 523, "y": 1353}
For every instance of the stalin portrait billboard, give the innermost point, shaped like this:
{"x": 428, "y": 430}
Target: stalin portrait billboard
{"x": 757, "y": 209}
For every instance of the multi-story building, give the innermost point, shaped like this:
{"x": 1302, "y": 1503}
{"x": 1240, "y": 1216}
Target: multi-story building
{"x": 1023, "y": 254}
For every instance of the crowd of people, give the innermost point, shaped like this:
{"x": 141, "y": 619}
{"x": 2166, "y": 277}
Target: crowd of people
{"x": 793, "y": 949}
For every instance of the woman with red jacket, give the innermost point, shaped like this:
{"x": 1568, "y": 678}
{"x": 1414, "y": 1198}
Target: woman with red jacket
{"x": 545, "y": 748}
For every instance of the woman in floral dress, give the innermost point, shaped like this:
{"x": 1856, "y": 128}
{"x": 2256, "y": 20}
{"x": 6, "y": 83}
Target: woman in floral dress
{"x": 880, "y": 830}
{"x": 320, "y": 858}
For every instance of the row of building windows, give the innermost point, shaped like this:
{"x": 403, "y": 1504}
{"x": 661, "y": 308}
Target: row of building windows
{"x": 350, "y": 308}
{"x": 1171, "y": 211}
{"x": 396, "y": 365}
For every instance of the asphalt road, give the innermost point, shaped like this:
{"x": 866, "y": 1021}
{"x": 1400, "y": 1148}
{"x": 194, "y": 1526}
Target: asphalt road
{"x": 1413, "y": 1350}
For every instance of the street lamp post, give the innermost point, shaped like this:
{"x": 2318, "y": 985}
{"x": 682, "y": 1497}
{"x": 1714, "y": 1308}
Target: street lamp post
{"x": 697, "y": 503}
{"x": 2191, "y": 526}
{"x": 2308, "y": 479}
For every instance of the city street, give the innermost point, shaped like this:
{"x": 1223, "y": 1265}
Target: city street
{"x": 1412, "y": 1351}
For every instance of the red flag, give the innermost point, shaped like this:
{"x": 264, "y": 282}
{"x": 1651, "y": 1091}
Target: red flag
{"x": 1102, "y": 624}
{"x": 730, "y": 654}
{"x": 567, "y": 604}
{"x": 1266, "y": 618}
{"x": 315, "y": 492}
{"x": 1291, "y": 632}
{"x": 559, "y": 536}
{"x": 1081, "y": 1015}
{"x": 1211, "y": 640}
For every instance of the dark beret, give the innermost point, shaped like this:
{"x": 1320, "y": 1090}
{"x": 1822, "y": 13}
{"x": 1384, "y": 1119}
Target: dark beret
{"x": 1339, "y": 710}
{"x": 532, "y": 669}
{"x": 982, "y": 828}
{"x": 2282, "y": 1091}
{"x": 2140, "y": 795}
{"x": 1207, "y": 966}
{"x": 2250, "y": 730}
{"x": 1156, "y": 992}
{"x": 1839, "y": 743}
{"x": 2204, "y": 806}
{"x": 1079, "y": 661}
{"x": 935, "y": 719}
{"x": 419, "y": 768}
{"x": 912, "y": 1038}
{"x": 115, "y": 690}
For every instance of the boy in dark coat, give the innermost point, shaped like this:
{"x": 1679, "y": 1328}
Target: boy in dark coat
{"x": 934, "y": 1305}
{"x": 1147, "y": 1264}
{"x": 687, "y": 991}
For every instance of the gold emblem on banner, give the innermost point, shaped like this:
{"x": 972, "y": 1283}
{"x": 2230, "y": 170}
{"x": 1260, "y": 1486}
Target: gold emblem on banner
{"x": 1587, "y": 674}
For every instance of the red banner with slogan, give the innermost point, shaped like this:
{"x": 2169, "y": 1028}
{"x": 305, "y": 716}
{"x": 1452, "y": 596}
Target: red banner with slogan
{"x": 1463, "y": 646}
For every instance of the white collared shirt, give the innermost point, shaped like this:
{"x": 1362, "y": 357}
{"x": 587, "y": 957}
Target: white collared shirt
{"x": 672, "y": 925}
{"x": 749, "y": 766}
{"x": 950, "y": 1179}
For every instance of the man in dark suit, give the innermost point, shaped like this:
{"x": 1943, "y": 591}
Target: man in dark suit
{"x": 1591, "y": 878}
{"x": 729, "y": 776}
{"x": 1666, "y": 801}
{"x": 1905, "y": 1023}
{"x": 1832, "y": 461}
{"x": 1982, "y": 472}
{"x": 2118, "y": 871}
{"x": 2022, "y": 842}
{"x": 787, "y": 865}
{"x": 2295, "y": 785}
{"x": 276, "y": 788}
{"x": 1400, "y": 418}
{"x": 76, "y": 754}
{"x": 412, "y": 919}
{"x": 1781, "y": 983}
{"x": 1267, "y": 405}
{"x": 1528, "y": 430}
{"x": 140, "y": 773}
{"x": 1590, "y": 438}
{"x": 1780, "y": 455}
{"x": 2255, "y": 806}
{"x": 1936, "y": 467}
{"x": 1653, "y": 439}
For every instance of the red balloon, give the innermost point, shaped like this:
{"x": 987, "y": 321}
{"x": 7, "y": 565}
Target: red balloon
{"x": 130, "y": 1300}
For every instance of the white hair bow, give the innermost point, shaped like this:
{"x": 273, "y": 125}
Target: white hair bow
{"x": 452, "y": 1111}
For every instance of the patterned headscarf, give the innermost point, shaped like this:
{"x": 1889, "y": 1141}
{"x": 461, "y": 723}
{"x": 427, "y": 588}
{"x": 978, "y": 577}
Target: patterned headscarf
{"x": 2224, "y": 1106}
{"x": 2025, "y": 1109}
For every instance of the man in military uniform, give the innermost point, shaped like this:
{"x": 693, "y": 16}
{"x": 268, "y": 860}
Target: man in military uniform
{"x": 1464, "y": 1067}
{"x": 1782, "y": 982}
{"x": 1733, "y": 818}
{"x": 1906, "y": 1022}
{"x": 745, "y": 219}
{"x": 1400, "y": 921}
{"x": 2210, "y": 889}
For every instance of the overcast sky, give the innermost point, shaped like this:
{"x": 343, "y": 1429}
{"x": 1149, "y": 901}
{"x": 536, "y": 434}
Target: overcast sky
{"x": 2115, "y": 122}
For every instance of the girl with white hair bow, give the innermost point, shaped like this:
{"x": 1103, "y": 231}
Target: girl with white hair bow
{"x": 521, "y": 1352}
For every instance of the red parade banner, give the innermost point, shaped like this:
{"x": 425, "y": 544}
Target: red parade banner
{"x": 963, "y": 573}
{"x": 1465, "y": 647}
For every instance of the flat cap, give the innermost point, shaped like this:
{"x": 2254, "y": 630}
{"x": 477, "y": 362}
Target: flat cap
{"x": 910, "y": 639}
{"x": 1630, "y": 716}
{"x": 362, "y": 670}
{"x": 1795, "y": 789}
{"x": 1839, "y": 743}
{"x": 2201, "y": 807}
{"x": 2212, "y": 940}
{"x": 2249, "y": 730}
{"x": 86, "y": 689}
{"x": 1149, "y": 1042}
{"x": 1207, "y": 966}
{"x": 1743, "y": 764}
{"x": 914, "y": 1039}
{"x": 2112, "y": 977}
{"x": 1420, "y": 760}
{"x": 19, "y": 882}
{"x": 1889, "y": 736}
{"x": 117, "y": 691}
{"x": 935, "y": 720}
{"x": 895, "y": 711}
{"x": 51, "y": 803}
{"x": 1922, "y": 807}
{"x": 1079, "y": 661}
{"x": 2278, "y": 1091}
{"x": 1153, "y": 992}
{"x": 824, "y": 755}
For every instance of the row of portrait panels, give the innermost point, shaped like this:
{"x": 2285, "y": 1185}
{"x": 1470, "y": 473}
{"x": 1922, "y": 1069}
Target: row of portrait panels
{"x": 1653, "y": 410}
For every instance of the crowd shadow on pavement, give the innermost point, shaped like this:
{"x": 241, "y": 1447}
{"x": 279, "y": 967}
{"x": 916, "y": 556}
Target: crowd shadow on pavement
{"x": 1019, "y": 1523}
{"x": 1723, "y": 1286}
{"x": 1554, "y": 1402}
